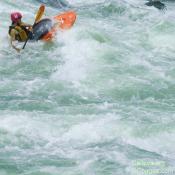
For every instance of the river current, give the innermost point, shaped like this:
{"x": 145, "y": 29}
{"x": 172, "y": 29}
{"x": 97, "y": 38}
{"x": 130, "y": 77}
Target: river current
{"x": 98, "y": 100}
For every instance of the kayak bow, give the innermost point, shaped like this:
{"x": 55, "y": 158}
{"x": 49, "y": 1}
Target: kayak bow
{"x": 46, "y": 29}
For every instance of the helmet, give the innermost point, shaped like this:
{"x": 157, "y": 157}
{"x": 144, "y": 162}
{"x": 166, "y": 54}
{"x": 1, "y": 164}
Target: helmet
{"x": 15, "y": 16}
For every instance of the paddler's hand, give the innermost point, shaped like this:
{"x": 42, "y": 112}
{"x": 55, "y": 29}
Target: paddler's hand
{"x": 29, "y": 28}
{"x": 18, "y": 50}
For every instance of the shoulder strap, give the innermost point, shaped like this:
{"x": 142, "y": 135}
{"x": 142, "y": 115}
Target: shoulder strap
{"x": 10, "y": 29}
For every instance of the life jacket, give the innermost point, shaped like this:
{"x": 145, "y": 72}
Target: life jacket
{"x": 22, "y": 32}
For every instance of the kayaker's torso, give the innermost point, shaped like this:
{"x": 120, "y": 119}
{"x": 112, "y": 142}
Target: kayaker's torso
{"x": 20, "y": 31}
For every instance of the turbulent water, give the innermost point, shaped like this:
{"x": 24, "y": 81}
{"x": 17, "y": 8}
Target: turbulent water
{"x": 98, "y": 100}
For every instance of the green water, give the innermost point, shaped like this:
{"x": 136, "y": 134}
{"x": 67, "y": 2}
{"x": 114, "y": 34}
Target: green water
{"x": 98, "y": 100}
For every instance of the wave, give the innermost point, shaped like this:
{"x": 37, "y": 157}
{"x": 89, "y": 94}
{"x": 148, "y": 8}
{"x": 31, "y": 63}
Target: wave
{"x": 55, "y": 3}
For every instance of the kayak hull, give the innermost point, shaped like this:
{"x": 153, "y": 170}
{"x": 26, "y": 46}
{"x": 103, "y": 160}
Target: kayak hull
{"x": 60, "y": 22}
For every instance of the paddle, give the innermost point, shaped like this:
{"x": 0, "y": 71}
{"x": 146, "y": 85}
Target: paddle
{"x": 37, "y": 19}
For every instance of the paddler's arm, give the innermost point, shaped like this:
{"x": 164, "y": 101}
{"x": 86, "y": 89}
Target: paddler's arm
{"x": 29, "y": 26}
{"x": 12, "y": 38}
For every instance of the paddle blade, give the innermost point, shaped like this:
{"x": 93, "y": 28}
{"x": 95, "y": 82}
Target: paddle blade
{"x": 40, "y": 13}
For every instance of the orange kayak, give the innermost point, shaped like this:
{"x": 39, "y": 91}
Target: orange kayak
{"x": 46, "y": 29}
{"x": 62, "y": 21}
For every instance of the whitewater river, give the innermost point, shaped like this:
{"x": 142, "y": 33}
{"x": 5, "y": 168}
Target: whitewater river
{"x": 98, "y": 100}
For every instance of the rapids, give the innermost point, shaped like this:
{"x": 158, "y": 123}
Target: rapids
{"x": 98, "y": 100}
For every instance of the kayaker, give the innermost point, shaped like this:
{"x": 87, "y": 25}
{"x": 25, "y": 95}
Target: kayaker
{"x": 18, "y": 30}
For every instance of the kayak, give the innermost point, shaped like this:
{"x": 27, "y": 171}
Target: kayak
{"x": 47, "y": 28}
